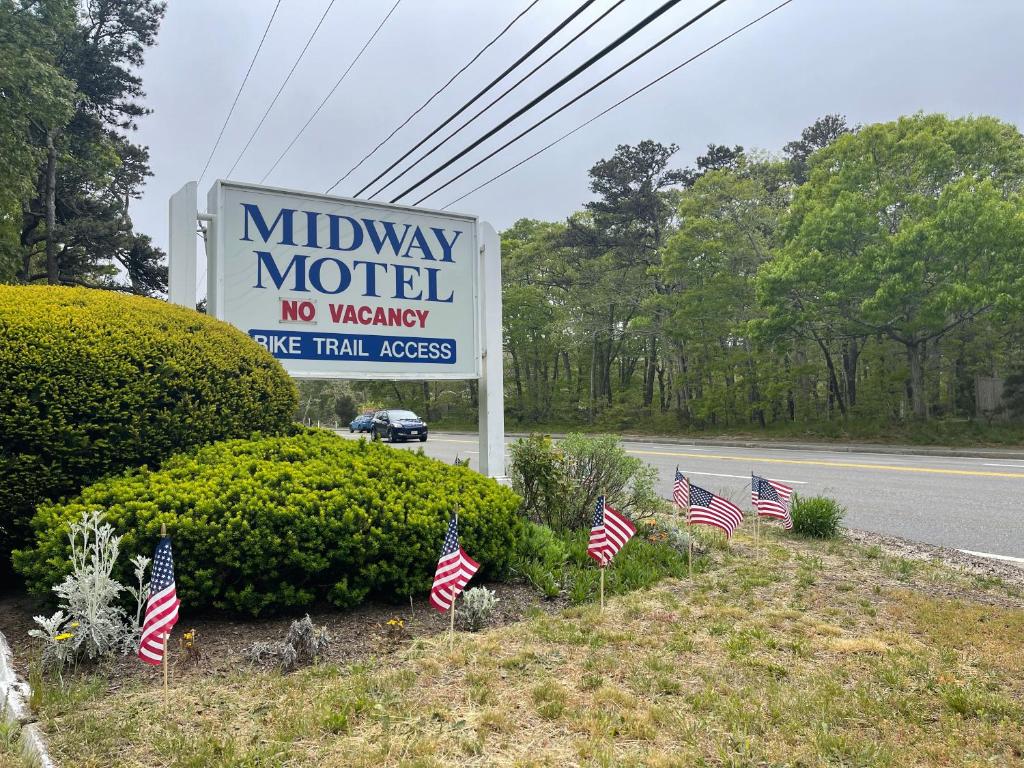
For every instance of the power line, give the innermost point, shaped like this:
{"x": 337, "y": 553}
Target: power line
{"x": 433, "y": 96}
{"x": 617, "y": 104}
{"x": 331, "y": 92}
{"x": 279, "y": 90}
{"x": 568, "y": 78}
{"x": 239, "y": 93}
{"x": 501, "y": 96}
{"x": 488, "y": 87}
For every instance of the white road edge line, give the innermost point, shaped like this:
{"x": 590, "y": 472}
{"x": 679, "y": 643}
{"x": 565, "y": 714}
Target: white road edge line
{"x": 1015, "y": 466}
{"x": 741, "y": 477}
{"x": 990, "y": 556}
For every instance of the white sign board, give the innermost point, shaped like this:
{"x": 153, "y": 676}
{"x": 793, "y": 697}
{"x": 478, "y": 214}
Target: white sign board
{"x": 341, "y": 288}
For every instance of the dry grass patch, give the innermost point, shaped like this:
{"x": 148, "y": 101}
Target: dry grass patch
{"x": 816, "y": 654}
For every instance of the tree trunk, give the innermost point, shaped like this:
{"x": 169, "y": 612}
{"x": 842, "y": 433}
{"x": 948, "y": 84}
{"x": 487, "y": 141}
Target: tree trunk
{"x": 649, "y": 373}
{"x": 52, "y": 270}
{"x": 915, "y": 360}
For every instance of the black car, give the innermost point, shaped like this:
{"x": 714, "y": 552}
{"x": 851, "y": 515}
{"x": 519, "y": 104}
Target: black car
{"x": 362, "y": 423}
{"x": 398, "y": 425}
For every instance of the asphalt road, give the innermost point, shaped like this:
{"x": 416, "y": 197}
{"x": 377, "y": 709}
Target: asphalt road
{"x": 971, "y": 503}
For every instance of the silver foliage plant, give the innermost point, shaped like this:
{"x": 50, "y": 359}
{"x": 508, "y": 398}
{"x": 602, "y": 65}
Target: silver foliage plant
{"x": 304, "y": 643}
{"x": 477, "y": 606}
{"x": 91, "y": 623}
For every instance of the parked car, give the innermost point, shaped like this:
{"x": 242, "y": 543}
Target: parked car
{"x": 398, "y": 426}
{"x": 361, "y": 423}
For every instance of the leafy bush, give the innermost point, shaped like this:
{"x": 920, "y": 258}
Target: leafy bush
{"x": 279, "y": 523}
{"x": 305, "y": 643}
{"x": 477, "y": 606}
{"x": 556, "y": 563}
{"x": 540, "y": 475}
{"x": 93, "y": 383}
{"x": 817, "y": 516}
{"x": 560, "y": 483}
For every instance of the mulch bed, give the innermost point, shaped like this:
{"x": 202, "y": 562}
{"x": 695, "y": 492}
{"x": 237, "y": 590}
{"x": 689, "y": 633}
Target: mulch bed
{"x": 355, "y": 634}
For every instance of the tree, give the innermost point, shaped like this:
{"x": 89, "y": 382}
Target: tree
{"x": 74, "y": 223}
{"x": 912, "y": 229}
{"x": 818, "y": 135}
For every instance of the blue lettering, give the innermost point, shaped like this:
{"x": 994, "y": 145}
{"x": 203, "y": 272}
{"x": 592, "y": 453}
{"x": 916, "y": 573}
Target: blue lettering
{"x": 432, "y": 286}
{"x": 266, "y": 259}
{"x": 357, "y": 233}
{"x": 389, "y": 234}
{"x": 446, "y": 245}
{"x": 285, "y": 217}
{"x": 371, "y": 275}
{"x": 419, "y": 241}
{"x": 344, "y": 275}
{"x": 403, "y": 281}
{"x": 311, "y": 221}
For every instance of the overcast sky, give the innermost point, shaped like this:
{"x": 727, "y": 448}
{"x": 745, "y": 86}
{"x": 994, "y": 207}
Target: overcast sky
{"x": 870, "y": 60}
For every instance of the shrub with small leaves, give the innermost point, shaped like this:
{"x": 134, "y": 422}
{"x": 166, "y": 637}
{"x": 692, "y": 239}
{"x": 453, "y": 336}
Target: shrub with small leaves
{"x": 818, "y": 516}
{"x": 279, "y": 524}
{"x": 477, "y": 606}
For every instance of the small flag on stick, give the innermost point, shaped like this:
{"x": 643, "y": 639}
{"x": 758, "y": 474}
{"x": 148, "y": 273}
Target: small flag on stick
{"x": 162, "y": 606}
{"x": 454, "y": 570}
{"x": 609, "y": 533}
{"x": 707, "y": 508}
{"x": 771, "y": 499}
{"x": 681, "y": 491}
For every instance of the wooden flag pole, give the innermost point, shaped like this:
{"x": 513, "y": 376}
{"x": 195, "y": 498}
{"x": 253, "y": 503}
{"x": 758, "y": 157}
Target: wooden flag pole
{"x": 689, "y": 531}
{"x": 451, "y": 625}
{"x": 163, "y": 532}
{"x": 602, "y": 587}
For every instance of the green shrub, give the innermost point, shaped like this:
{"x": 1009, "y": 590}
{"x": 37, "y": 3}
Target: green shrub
{"x": 560, "y": 483}
{"x": 541, "y": 477}
{"x": 93, "y": 382}
{"x": 817, "y": 516}
{"x": 540, "y": 559}
{"x": 278, "y": 524}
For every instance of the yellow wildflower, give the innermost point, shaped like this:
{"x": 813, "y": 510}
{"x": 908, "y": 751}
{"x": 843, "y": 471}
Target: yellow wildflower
{"x": 64, "y": 636}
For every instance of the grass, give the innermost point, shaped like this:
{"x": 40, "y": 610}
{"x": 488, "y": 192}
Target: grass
{"x": 820, "y": 653}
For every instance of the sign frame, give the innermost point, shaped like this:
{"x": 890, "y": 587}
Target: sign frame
{"x": 488, "y": 355}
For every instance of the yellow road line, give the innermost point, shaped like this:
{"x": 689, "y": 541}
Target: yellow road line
{"x": 842, "y": 464}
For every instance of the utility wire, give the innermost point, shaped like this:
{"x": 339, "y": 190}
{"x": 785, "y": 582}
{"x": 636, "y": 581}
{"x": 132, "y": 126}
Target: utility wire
{"x": 488, "y": 87}
{"x": 433, "y": 96}
{"x": 279, "y": 90}
{"x": 239, "y": 93}
{"x": 507, "y": 91}
{"x": 617, "y": 104}
{"x": 331, "y": 92}
{"x": 568, "y": 78}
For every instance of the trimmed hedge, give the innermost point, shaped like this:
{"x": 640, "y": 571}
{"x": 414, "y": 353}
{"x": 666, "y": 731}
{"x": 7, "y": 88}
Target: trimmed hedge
{"x": 278, "y": 524}
{"x": 94, "y": 382}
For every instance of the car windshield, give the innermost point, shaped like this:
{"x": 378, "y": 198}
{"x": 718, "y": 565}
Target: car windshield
{"x": 402, "y": 415}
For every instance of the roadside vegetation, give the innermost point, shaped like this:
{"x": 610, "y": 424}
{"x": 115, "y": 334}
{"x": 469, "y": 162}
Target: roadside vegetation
{"x": 818, "y": 292}
{"x": 816, "y": 653}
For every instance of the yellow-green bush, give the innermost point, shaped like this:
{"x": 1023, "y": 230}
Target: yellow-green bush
{"x": 93, "y": 382}
{"x": 281, "y": 523}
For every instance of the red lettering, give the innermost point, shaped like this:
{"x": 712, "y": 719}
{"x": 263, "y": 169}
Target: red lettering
{"x": 379, "y": 317}
{"x": 350, "y": 314}
{"x": 365, "y": 315}
{"x": 336, "y": 310}
{"x": 307, "y": 311}
{"x": 422, "y": 315}
{"x": 394, "y": 316}
{"x": 289, "y": 310}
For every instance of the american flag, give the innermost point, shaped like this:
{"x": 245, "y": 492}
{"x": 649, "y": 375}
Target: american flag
{"x": 707, "y": 508}
{"x": 771, "y": 499}
{"x": 610, "y": 532}
{"x": 162, "y": 606}
{"x": 454, "y": 570}
{"x": 681, "y": 491}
